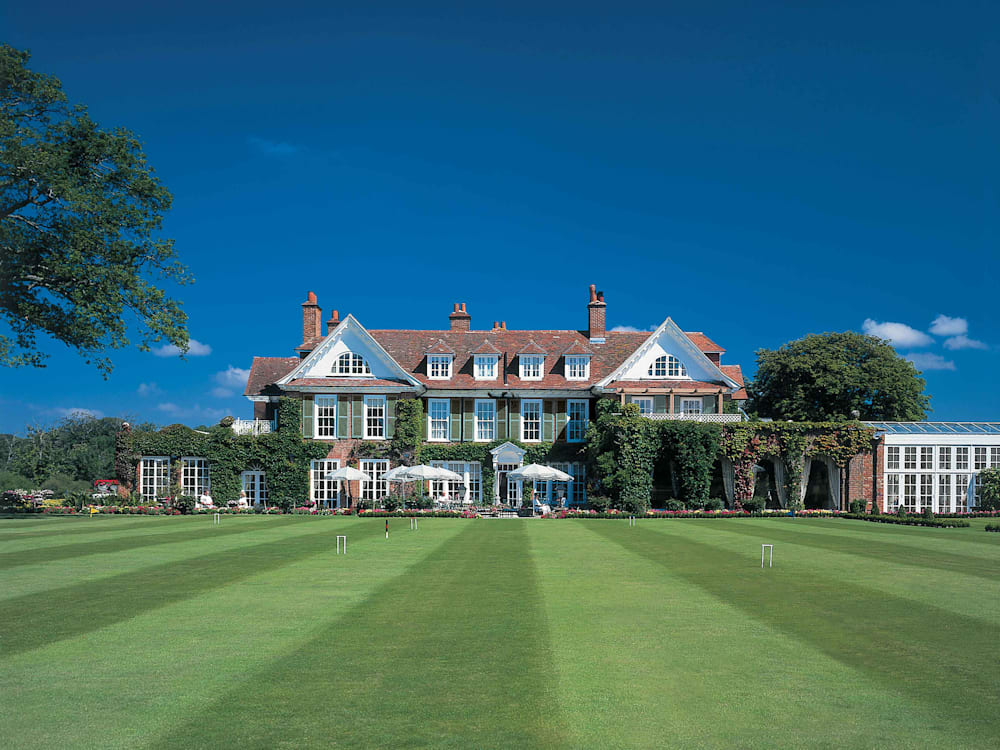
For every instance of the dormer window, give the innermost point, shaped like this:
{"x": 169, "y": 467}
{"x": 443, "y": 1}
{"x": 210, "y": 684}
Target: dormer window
{"x": 531, "y": 366}
{"x": 577, "y": 367}
{"x": 439, "y": 366}
{"x": 667, "y": 366}
{"x": 349, "y": 363}
{"x": 486, "y": 367}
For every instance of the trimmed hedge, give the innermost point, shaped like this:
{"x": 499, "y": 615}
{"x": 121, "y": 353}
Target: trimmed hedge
{"x": 993, "y": 527}
{"x": 941, "y": 523}
{"x": 692, "y": 514}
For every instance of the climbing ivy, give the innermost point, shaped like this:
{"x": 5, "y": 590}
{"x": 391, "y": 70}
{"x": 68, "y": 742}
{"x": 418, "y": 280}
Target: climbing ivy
{"x": 283, "y": 455}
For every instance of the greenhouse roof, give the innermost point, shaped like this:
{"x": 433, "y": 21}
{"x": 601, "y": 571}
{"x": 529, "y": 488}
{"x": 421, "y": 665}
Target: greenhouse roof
{"x": 937, "y": 428}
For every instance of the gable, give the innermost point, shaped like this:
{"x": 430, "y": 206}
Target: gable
{"x": 669, "y": 340}
{"x": 350, "y": 336}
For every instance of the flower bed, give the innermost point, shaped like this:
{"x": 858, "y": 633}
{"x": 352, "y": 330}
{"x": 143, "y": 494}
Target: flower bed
{"x": 579, "y": 513}
{"x": 367, "y": 513}
{"x": 941, "y": 523}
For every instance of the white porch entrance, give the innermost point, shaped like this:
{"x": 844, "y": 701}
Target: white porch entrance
{"x": 254, "y": 486}
{"x": 506, "y": 458}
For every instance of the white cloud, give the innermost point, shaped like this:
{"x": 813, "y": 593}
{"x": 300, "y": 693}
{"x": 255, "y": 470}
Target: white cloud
{"x": 168, "y": 407}
{"x": 631, "y": 329}
{"x": 195, "y": 349}
{"x": 928, "y": 361}
{"x": 232, "y": 377}
{"x": 945, "y": 326}
{"x": 271, "y": 148}
{"x": 898, "y": 334}
{"x": 220, "y": 392}
{"x": 148, "y": 389}
{"x": 77, "y": 411}
{"x": 194, "y": 413}
{"x": 963, "y": 342}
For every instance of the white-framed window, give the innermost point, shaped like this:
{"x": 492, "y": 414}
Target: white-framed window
{"x": 485, "y": 367}
{"x": 667, "y": 366}
{"x": 325, "y": 419}
{"x": 377, "y": 487}
{"x": 556, "y": 494}
{"x": 645, "y": 403}
{"x": 467, "y": 490}
{"x": 349, "y": 363}
{"x": 691, "y": 405}
{"x": 439, "y": 366}
{"x": 577, "y": 367}
{"x": 438, "y": 414}
{"x": 962, "y": 458}
{"x": 944, "y": 457}
{"x": 322, "y": 491}
{"x": 926, "y": 457}
{"x": 910, "y": 492}
{"x": 945, "y": 504}
{"x": 891, "y": 492}
{"x": 155, "y": 477}
{"x": 578, "y": 417}
{"x": 980, "y": 458}
{"x": 486, "y": 420}
{"x": 194, "y": 476}
{"x": 910, "y": 457}
{"x": 531, "y": 420}
{"x": 254, "y": 485}
{"x": 926, "y": 491}
{"x": 374, "y": 417}
{"x": 892, "y": 457}
{"x": 531, "y": 366}
{"x": 961, "y": 488}
{"x": 994, "y": 458}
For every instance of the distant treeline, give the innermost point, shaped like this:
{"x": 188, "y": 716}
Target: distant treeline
{"x": 65, "y": 457}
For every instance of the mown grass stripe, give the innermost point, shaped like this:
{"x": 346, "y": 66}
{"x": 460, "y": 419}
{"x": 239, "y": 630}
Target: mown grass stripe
{"x": 903, "y": 644}
{"x": 402, "y": 670}
{"x": 70, "y": 525}
{"x": 34, "y": 620}
{"x": 882, "y": 550}
{"x": 189, "y": 533}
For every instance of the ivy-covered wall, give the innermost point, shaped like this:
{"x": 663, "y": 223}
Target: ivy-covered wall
{"x": 283, "y": 455}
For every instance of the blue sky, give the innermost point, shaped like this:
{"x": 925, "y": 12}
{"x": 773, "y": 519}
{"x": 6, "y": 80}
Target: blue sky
{"x": 756, "y": 171}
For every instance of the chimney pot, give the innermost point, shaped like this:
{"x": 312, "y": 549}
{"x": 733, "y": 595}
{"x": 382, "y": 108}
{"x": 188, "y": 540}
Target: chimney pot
{"x": 596, "y": 313}
{"x": 459, "y": 319}
{"x": 503, "y": 325}
{"x": 463, "y": 307}
{"x": 312, "y": 320}
{"x": 593, "y": 292}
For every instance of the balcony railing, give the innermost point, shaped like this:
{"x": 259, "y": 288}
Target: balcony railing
{"x": 254, "y": 426}
{"x": 697, "y": 417}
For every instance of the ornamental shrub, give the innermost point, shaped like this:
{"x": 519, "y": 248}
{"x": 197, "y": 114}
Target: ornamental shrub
{"x": 993, "y": 527}
{"x": 753, "y": 504}
{"x": 714, "y": 503}
{"x": 858, "y": 506}
{"x": 183, "y": 503}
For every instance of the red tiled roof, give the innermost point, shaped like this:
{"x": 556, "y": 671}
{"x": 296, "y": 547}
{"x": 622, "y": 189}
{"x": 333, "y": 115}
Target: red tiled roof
{"x": 347, "y": 382}
{"x": 409, "y": 349}
{"x": 703, "y": 342}
{"x": 736, "y": 374}
{"x": 265, "y": 370}
{"x": 440, "y": 348}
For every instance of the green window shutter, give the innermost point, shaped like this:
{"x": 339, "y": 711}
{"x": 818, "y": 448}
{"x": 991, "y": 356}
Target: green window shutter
{"x": 426, "y": 420}
{"x": 515, "y": 419}
{"x": 561, "y": 419}
{"x": 502, "y": 419}
{"x": 307, "y": 417}
{"x": 343, "y": 431}
{"x": 468, "y": 434}
{"x": 455, "y": 420}
{"x": 548, "y": 420}
{"x": 357, "y": 416}
{"x": 659, "y": 404}
{"x": 390, "y": 416}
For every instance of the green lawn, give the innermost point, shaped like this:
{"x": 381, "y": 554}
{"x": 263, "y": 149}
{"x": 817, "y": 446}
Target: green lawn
{"x": 173, "y": 633}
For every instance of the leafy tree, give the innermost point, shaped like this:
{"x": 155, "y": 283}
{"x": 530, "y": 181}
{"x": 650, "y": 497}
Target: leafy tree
{"x": 989, "y": 489}
{"x": 79, "y": 208}
{"x": 824, "y": 377}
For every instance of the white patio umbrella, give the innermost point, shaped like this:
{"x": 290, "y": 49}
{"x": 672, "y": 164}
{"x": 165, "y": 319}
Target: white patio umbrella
{"x": 539, "y": 473}
{"x": 348, "y": 474}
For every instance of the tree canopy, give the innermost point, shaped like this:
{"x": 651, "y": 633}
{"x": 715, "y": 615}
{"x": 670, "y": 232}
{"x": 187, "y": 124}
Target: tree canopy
{"x": 824, "y": 377}
{"x": 80, "y": 210}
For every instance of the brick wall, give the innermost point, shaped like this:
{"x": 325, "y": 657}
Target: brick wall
{"x": 864, "y": 480}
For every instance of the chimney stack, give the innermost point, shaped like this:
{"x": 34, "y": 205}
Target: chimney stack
{"x": 460, "y": 320}
{"x": 333, "y": 322}
{"x": 312, "y": 320}
{"x": 596, "y": 316}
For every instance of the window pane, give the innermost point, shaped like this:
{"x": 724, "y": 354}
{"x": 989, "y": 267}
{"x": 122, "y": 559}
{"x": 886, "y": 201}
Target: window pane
{"x": 378, "y": 487}
{"x": 485, "y": 420}
{"x": 324, "y": 492}
{"x": 576, "y": 428}
{"x": 531, "y": 421}
{"x": 892, "y": 457}
{"x": 374, "y": 416}
{"x": 439, "y": 412}
{"x": 326, "y": 416}
{"x": 194, "y": 476}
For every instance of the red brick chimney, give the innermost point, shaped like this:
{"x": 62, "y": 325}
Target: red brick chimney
{"x": 596, "y": 316}
{"x": 460, "y": 320}
{"x": 312, "y": 320}
{"x": 333, "y": 322}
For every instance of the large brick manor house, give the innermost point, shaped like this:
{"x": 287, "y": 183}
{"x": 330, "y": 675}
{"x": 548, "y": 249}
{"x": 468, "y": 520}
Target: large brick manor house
{"x": 485, "y": 385}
